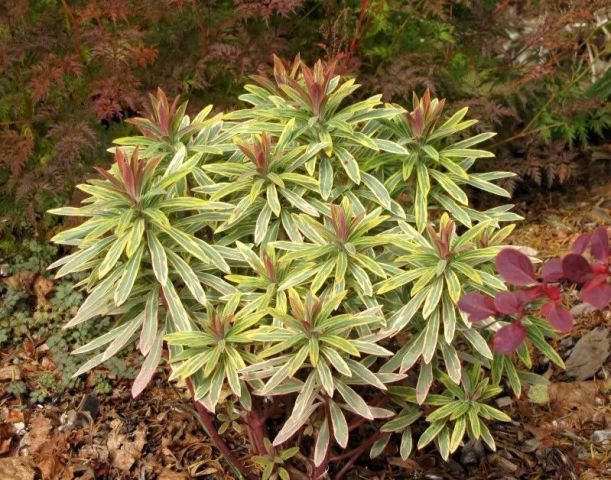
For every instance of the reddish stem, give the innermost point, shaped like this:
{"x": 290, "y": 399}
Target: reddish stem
{"x": 75, "y": 30}
{"x": 218, "y": 441}
{"x": 321, "y": 469}
{"x": 255, "y": 426}
{"x": 296, "y": 474}
{"x": 362, "y": 26}
{"x": 499, "y": 10}
{"x": 356, "y": 423}
{"x": 354, "y": 455}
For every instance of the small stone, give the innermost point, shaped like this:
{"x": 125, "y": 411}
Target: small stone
{"x": 567, "y": 342}
{"x": 583, "y": 454}
{"x": 590, "y": 353}
{"x": 472, "y": 452}
{"x": 19, "y": 428}
{"x": 582, "y": 309}
{"x": 601, "y": 436}
{"x": 503, "y": 402}
{"x": 68, "y": 420}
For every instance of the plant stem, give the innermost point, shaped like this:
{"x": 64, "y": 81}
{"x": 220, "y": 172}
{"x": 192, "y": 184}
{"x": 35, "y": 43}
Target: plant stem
{"x": 362, "y": 26}
{"x": 218, "y": 441}
{"x": 201, "y": 25}
{"x": 354, "y": 455}
{"x": 75, "y": 33}
{"x": 255, "y": 426}
{"x": 321, "y": 469}
{"x": 296, "y": 474}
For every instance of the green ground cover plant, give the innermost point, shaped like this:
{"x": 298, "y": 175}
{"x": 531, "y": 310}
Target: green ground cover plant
{"x": 30, "y": 318}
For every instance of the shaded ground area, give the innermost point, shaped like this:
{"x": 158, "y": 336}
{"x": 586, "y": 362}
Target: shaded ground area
{"x": 561, "y": 431}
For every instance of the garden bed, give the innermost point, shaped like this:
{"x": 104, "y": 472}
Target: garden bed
{"x": 94, "y": 429}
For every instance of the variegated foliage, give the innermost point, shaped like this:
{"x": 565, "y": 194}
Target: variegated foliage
{"x": 304, "y": 248}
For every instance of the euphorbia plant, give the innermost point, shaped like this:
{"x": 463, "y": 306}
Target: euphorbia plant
{"x": 302, "y": 260}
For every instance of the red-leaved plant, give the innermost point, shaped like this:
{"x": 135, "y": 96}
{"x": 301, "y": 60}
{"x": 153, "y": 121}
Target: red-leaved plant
{"x": 516, "y": 269}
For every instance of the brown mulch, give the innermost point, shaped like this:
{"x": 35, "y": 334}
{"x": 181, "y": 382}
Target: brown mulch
{"x": 81, "y": 435}
{"x": 158, "y": 436}
{"x": 554, "y": 219}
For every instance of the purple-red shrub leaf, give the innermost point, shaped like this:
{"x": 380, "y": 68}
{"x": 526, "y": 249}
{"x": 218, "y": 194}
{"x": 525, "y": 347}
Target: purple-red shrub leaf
{"x": 552, "y": 270}
{"x": 509, "y": 338}
{"x": 535, "y": 292}
{"x": 552, "y": 292}
{"x": 599, "y": 244}
{"x": 478, "y": 306}
{"x": 515, "y": 267}
{"x": 576, "y": 268}
{"x": 581, "y": 243}
{"x": 597, "y": 293}
{"x": 561, "y": 319}
{"x": 510, "y": 302}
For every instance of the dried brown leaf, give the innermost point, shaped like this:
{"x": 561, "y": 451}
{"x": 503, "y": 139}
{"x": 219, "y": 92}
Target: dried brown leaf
{"x": 39, "y": 433}
{"x": 16, "y": 468}
{"x": 589, "y": 354}
{"x": 123, "y": 452}
{"x": 168, "y": 474}
{"x": 10, "y": 372}
{"x": 52, "y": 467}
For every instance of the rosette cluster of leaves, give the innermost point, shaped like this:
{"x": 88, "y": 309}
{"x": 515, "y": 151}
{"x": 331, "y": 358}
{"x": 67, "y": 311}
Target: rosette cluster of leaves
{"x": 306, "y": 253}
